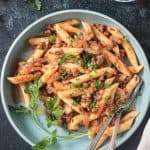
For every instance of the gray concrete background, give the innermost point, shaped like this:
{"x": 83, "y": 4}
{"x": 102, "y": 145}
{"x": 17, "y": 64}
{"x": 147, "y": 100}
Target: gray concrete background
{"x": 15, "y": 15}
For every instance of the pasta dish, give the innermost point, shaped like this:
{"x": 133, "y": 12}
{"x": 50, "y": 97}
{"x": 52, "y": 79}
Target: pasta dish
{"x": 86, "y": 71}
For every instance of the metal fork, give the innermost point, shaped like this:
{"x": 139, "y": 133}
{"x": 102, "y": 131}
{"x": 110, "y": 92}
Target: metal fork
{"x": 130, "y": 98}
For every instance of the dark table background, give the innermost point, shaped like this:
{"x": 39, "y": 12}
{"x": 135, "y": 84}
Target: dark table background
{"x": 15, "y": 15}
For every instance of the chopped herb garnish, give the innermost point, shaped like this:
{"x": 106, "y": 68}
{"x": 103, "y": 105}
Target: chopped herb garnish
{"x": 65, "y": 57}
{"x": 77, "y": 78}
{"x": 109, "y": 63}
{"x": 42, "y": 145}
{"x": 63, "y": 74}
{"x": 106, "y": 72}
{"x": 106, "y": 85}
{"x": 77, "y": 99}
{"x": 52, "y": 38}
{"x": 121, "y": 101}
{"x": 33, "y": 90}
{"x": 125, "y": 37}
{"x": 97, "y": 84}
{"x": 80, "y": 34}
{"x": 88, "y": 62}
{"x": 36, "y": 4}
{"x": 74, "y": 103}
{"x": 55, "y": 111}
{"x": 92, "y": 104}
{"x": 106, "y": 101}
{"x": 79, "y": 86}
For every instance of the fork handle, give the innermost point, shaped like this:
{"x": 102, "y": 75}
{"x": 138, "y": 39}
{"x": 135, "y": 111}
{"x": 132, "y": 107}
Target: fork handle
{"x": 115, "y": 131}
{"x": 99, "y": 135}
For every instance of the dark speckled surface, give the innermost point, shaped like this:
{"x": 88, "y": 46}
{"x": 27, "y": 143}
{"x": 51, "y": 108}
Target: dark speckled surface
{"x": 15, "y": 15}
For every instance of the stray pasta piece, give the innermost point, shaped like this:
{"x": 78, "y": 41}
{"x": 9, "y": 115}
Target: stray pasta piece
{"x": 22, "y": 78}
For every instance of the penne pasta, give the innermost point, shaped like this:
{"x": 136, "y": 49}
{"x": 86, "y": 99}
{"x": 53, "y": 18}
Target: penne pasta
{"x": 22, "y": 78}
{"x": 38, "y": 40}
{"x": 48, "y": 71}
{"x": 94, "y": 74}
{"x": 88, "y": 33}
{"x": 60, "y": 87}
{"x": 135, "y": 69}
{"x": 74, "y": 66}
{"x": 116, "y": 50}
{"x": 63, "y": 35}
{"x": 26, "y": 97}
{"x": 71, "y": 29}
{"x": 72, "y": 22}
{"x": 115, "y": 32}
{"x": 70, "y": 102}
{"x": 107, "y": 97}
{"x": 109, "y": 80}
{"x": 130, "y": 53}
{"x": 117, "y": 62}
{"x": 102, "y": 38}
{"x": 131, "y": 84}
{"x": 38, "y": 53}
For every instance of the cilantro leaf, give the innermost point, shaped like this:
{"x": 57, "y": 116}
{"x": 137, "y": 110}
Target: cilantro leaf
{"x": 52, "y": 38}
{"x": 97, "y": 84}
{"x": 65, "y": 57}
{"x": 42, "y": 145}
{"x": 106, "y": 85}
{"x": 88, "y": 61}
{"x": 58, "y": 112}
{"x": 20, "y": 109}
{"x": 63, "y": 74}
{"x": 36, "y": 4}
{"x": 55, "y": 111}
{"x": 33, "y": 91}
{"x": 50, "y": 121}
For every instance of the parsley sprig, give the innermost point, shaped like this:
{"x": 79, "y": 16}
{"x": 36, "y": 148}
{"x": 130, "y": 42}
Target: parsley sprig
{"x": 52, "y": 138}
{"x": 55, "y": 111}
{"x": 88, "y": 61}
{"x": 36, "y": 4}
{"x": 65, "y": 57}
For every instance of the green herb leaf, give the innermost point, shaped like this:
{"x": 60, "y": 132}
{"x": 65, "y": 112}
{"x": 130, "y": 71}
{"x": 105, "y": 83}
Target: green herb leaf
{"x": 52, "y": 38}
{"x": 74, "y": 103}
{"x": 50, "y": 121}
{"x": 65, "y": 57}
{"x": 36, "y": 4}
{"x": 125, "y": 37}
{"x": 33, "y": 91}
{"x": 20, "y": 109}
{"x": 42, "y": 145}
{"x": 63, "y": 74}
{"x": 58, "y": 112}
{"x": 55, "y": 111}
{"x": 79, "y": 86}
{"x": 106, "y": 101}
{"x": 88, "y": 62}
{"x": 97, "y": 84}
{"x": 92, "y": 104}
{"x": 106, "y": 85}
{"x": 121, "y": 101}
{"x": 53, "y": 139}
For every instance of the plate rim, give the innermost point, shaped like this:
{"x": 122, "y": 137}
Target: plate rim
{"x": 5, "y": 107}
